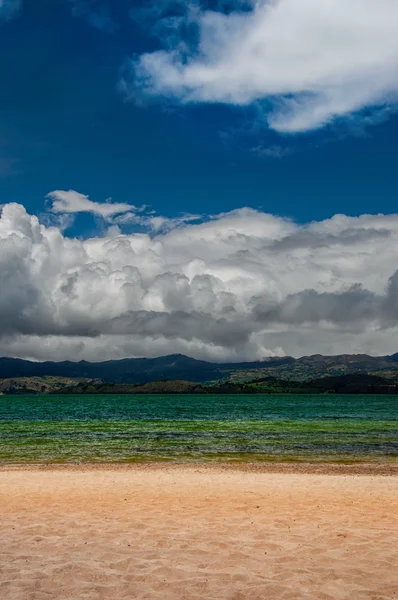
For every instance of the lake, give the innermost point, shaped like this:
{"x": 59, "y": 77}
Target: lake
{"x": 134, "y": 428}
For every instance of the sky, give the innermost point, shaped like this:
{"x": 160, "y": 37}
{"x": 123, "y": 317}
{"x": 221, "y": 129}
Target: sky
{"x": 216, "y": 178}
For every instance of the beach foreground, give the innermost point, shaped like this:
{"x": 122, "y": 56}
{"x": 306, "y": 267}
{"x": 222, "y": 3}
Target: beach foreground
{"x": 196, "y": 532}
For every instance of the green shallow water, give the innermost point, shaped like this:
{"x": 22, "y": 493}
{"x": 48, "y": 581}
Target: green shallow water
{"x": 61, "y": 429}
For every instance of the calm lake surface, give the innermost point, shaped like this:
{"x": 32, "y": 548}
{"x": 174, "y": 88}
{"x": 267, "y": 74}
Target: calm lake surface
{"x": 135, "y": 428}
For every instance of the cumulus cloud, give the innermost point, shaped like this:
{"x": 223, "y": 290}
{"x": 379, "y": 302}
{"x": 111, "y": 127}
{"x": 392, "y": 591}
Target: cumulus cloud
{"x": 9, "y": 8}
{"x": 303, "y": 63}
{"x": 239, "y": 285}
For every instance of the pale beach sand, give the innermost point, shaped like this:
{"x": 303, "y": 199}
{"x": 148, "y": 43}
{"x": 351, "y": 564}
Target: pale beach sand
{"x": 197, "y": 532}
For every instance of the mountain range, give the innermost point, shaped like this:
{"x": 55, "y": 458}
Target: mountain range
{"x": 179, "y": 367}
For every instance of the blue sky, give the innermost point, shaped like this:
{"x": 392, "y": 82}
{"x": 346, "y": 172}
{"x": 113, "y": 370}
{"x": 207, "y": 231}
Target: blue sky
{"x": 216, "y": 178}
{"x": 65, "y": 124}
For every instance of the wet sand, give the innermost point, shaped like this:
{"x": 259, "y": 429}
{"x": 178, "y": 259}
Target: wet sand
{"x": 193, "y": 532}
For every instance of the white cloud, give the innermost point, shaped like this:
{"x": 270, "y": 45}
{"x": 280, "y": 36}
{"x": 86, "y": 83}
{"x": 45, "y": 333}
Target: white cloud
{"x": 65, "y": 204}
{"x": 158, "y": 223}
{"x": 73, "y": 202}
{"x": 240, "y": 285}
{"x": 306, "y": 62}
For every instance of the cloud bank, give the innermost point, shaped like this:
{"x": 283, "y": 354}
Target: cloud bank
{"x": 239, "y": 285}
{"x": 303, "y": 64}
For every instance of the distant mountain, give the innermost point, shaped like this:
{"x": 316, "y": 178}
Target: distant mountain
{"x": 131, "y": 370}
{"x": 317, "y": 366}
{"x": 179, "y": 367}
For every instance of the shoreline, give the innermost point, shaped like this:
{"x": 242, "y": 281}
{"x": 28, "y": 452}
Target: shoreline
{"x": 384, "y": 469}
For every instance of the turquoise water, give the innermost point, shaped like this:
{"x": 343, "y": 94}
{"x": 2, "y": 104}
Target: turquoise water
{"x": 136, "y": 428}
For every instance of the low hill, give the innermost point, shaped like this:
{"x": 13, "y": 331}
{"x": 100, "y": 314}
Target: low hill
{"x": 36, "y": 385}
{"x": 343, "y": 384}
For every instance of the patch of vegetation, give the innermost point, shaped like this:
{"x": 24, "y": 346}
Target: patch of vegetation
{"x": 345, "y": 384}
{"x": 36, "y": 385}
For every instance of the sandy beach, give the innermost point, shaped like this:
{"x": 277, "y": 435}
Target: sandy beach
{"x": 163, "y": 532}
